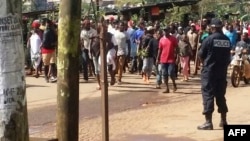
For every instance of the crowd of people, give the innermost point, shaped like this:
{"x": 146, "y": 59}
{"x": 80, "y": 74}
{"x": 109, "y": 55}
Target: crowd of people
{"x": 135, "y": 47}
{"x": 141, "y": 48}
{"x": 168, "y": 52}
{"x": 146, "y": 49}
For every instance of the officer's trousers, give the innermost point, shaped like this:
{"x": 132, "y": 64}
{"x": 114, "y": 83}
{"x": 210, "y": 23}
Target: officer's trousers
{"x": 213, "y": 88}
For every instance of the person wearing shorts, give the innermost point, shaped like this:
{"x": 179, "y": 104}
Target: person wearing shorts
{"x": 48, "y": 49}
{"x": 166, "y": 57}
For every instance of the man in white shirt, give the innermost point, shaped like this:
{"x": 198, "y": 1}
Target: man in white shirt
{"x": 111, "y": 28}
{"x": 111, "y": 55}
{"x": 123, "y": 45}
{"x": 111, "y": 58}
{"x": 87, "y": 35}
{"x": 193, "y": 40}
{"x": 225, "y": 27}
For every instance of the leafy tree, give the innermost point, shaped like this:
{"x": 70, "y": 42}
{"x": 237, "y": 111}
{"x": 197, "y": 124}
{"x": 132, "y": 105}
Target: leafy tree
{"x": 122, "y": 2}
{"x": 176, "y": 13}
{"x": 219, "y": 7}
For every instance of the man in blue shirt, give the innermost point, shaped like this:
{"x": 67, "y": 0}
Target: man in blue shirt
{"x": 232, "y": 35}
{"x": 139, "y": 32}
{"x": 138, "y": 40}
{"x": 133, "y": 51}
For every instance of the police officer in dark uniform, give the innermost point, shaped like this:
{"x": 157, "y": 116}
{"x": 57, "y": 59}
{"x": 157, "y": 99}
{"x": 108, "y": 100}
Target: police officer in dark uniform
{"x": 215, "y": 55}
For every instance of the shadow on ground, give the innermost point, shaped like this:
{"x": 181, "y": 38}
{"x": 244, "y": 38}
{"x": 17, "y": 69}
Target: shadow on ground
{"x": 125, "y": 97}
{"x": 128, "y": 96}
{"x": 29, "y": 86}
{"x": 154, "y": 138}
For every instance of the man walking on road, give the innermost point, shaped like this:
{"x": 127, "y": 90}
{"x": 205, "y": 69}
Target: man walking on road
{"x": 48, "y": 49}
{"x": 215, "y": 55}
{"x": 87, "y": 36}
{"x": 123, "y": 44}
{"x": 166, "y": 56}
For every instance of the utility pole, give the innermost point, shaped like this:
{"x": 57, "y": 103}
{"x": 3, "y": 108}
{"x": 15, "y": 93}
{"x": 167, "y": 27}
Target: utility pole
{"x": 68, "y": 66}
{"x": 13, "y": 104}
{"x": 98, "y": 7}
{"x": 197, "y": 59}
{"x": 104, "y": 83}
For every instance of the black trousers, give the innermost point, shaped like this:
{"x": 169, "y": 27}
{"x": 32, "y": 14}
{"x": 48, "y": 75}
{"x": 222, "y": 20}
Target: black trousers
{"x": 134, "y": 66}
{"x": 139, "y": 63}
{"x": 213, "y": 88}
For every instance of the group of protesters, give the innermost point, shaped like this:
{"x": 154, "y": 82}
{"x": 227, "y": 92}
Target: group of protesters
{"x": 143, "y": 47}
{"x": 41, "y": 50}
{"x": 146, "y": 48}
{"x": 140, "y": 48}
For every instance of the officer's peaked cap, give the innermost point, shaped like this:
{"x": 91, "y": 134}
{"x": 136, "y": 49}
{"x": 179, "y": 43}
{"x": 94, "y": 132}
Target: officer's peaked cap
{"x": 216, "y": 23}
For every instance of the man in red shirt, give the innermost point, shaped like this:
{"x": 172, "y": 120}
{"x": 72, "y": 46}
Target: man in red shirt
{"x": 166, "y": 57}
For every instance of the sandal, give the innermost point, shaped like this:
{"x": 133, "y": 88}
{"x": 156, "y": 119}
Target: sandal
{"x": 174, "y": 89}
{"x": 158, "y": 87}
{"x": 112, "y": 83}
{"x": 36, "y": 75}
{"x": 29, "y": 73}
{"x": 166, "y": 91}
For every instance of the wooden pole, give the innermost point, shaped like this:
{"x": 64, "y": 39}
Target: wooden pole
{"x": 104, "y": 83}
{"x": 197, "y": 48}
{"x": 68, "y": 66}
{"x": 13, "y": 104}
{"x": 97, "y": 7}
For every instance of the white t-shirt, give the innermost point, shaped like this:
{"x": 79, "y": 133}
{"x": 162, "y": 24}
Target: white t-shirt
{"x": 224, "y": 30}
{"x": 245, "y": 30}
{"x": 86, "y": 35}
{"x": 113, "y": 40}
{"x": 35, "y": 43}
{"x": 111, "y": 29}
{"x": 121, "y": 39}
{"x": 110, "y": 58}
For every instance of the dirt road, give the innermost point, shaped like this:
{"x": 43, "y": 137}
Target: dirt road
{"x": 138, "y": 112}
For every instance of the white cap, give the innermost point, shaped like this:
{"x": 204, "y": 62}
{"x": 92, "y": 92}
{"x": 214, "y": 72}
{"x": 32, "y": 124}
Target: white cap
{"x": 192, "y": 24}
{"x": 150, "y": 28}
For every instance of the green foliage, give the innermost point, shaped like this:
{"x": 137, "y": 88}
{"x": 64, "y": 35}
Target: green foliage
{"x": 122, "y": 2}
{"x": 221, "y": 7}
{"x": 178, "y": 12}
{"x": 142, "y": 53}
{"x": 135, "y": 18}
{"x": 89, "y": 10}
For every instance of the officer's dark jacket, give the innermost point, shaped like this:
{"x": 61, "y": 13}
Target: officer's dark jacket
{"x": 215, "y": 53}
